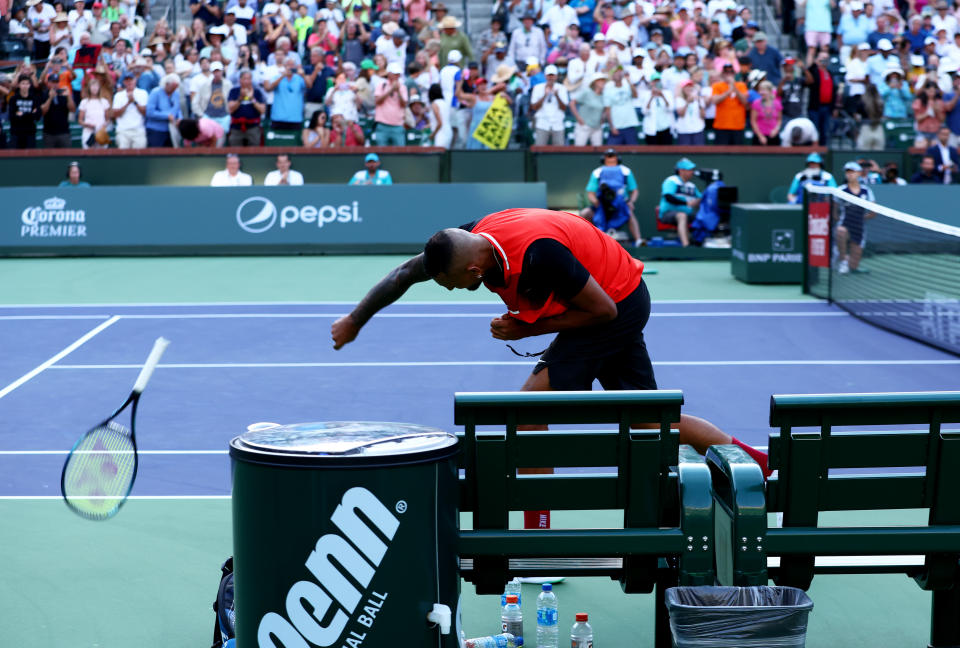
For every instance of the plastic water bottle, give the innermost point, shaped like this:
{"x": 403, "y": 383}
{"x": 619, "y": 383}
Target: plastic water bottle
{"x": 581, "y": 635}
{"x": 504, "y": 640}
{"x": 512, "y": 587}
{"x": 547, "y": 630}
{"x": 511, "y": 619}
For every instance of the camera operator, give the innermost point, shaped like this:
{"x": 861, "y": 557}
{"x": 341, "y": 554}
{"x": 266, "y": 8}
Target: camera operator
{"x": 680, "y": 199}
{"x": 610, "y": 205}
{"x": 814, "y": 173}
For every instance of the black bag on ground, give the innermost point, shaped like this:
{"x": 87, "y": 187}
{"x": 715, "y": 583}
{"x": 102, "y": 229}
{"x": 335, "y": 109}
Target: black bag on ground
{"x": 224, "y": 624}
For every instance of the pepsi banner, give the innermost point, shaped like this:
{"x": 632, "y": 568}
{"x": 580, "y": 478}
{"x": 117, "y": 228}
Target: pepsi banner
{"x": 223, "y": 220}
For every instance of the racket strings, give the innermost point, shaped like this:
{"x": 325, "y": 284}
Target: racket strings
{"x": 100, "y": 471}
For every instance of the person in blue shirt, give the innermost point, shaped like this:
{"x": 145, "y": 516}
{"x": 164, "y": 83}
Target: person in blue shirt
{"x": 814, "y": 173}
{"x": 854, "y": 27}
{"x": 372, "y": 174}
{"x": 917, "y": 35}
{"x": 612, "y": 192}
{"x": 585, "y": 9}
{"x": 950, "y": 101}
{"x": 880, "y": 62}
{"x": 74, "y": 176}
{"x": 163, "y": 110}
{"x": 897, "y": 98}
{"x": 680, "y": 199}
{"x": 288, "y": 93}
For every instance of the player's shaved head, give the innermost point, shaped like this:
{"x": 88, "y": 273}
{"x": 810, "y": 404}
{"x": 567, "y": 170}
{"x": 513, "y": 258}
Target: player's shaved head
{"x": 456, "y": 258}
{"x": 447, "y": 249}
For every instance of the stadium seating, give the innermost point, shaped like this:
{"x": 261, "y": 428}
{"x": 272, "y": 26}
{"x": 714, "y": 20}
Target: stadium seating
{"x": 663, "y": 490}
{"x": 805, "y": 486}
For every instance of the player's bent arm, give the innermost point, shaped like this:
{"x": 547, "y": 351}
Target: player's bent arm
{"x": 588, "y": 307}
{"x": 388, "y": 290}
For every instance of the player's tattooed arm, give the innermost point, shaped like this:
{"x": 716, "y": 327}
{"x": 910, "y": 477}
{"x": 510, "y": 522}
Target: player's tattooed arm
{"x": 390, "y": 289}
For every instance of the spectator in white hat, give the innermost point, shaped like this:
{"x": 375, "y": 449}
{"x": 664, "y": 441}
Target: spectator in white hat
{"x": 625, "y": 29}
{"x": 577, "y": 69}
{"x": 210, "y": 98}
{"x": 390, "y": 98}
{"x": 618, "y": 97}
{"x": 598, "y": 54}
{"x": 853, "y": 29}
{"x": 586, "y": 105}
{"x": 548, "y": 103}
{"x": 883, "y": 60}
{"x": 527, "y": 41}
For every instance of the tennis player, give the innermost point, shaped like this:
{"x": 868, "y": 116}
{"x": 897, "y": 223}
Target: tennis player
{"x": 556, "y": 273}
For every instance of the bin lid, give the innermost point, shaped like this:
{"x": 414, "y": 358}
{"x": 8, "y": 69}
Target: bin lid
{"x": 342, "y": 442}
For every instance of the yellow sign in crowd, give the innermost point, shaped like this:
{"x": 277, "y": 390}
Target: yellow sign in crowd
{"x": 494, "y": 129}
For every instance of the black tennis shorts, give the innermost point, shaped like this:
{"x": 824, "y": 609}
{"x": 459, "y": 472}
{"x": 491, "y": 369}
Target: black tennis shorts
{"x": 613, "y": 352}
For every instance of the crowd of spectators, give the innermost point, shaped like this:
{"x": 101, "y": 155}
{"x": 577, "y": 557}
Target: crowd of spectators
{"x": 334, "y": 73}
{"x": 391, "y": 72}
{"x": 887, "y": 63}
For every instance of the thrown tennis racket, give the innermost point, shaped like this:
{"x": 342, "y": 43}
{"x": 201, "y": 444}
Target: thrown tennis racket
{"x": 102, "y": 465}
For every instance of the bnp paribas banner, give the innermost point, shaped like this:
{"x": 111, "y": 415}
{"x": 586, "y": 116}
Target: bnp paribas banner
{"x": 311, "y": 218}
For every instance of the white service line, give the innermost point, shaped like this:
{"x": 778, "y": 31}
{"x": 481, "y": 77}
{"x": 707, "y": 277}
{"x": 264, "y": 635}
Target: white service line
{"x": 692, "y": 314}
{"x": 139, "y": 452}
{"x": 400, "y": 303}
{"x": 60, "y": 356}
{"x": 501, "y": 363}
{"x": 52, "y": 317}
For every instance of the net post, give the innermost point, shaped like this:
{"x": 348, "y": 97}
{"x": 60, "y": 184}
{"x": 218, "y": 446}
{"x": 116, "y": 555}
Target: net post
{"x": 806, "y": 242}
{"x": 830, "y": 221}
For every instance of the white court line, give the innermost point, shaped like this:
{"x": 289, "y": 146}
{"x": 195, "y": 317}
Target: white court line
{"x": 132, "y": 497}
{"x": 400, "y": 303}
{"x": 52, "y": 317}
{"x": 691, "y": 314}
{"x": 139, "y": 452}
{"x": 21, "y": 453}
{"x": 500, "y": 363}
{"x": 60, "y": 356}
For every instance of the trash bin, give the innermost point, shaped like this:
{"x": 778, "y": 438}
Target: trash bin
{"x": 738, "y": 617}
{"x": 345, "y": 534}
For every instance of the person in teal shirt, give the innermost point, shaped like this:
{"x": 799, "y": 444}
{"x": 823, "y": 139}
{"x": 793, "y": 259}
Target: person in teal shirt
{"x": 372, "y": 174}
{"x": 897, "y": 99}
{"x": 680, "y": 199}
{"x": 73, "y": 177}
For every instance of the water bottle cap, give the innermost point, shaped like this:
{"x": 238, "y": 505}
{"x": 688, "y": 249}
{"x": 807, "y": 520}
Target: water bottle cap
{"x": 581, "y": 617}
{"x": 547, "y": 587}
{"x": 512, "y": 598}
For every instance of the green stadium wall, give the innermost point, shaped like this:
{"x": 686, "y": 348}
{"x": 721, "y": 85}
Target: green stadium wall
{"x": 311, "y": 219}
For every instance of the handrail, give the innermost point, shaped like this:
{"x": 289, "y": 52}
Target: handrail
{"x": 804, "y": 410}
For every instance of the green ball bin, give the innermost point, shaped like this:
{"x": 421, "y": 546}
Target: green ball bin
{"x": 345, "y": 535}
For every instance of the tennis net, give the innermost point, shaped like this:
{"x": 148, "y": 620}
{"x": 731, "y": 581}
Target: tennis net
{"x": 895, "y": 270}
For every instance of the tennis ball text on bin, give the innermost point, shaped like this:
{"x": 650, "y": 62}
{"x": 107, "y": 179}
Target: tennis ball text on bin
{"x": 332, "y": 589}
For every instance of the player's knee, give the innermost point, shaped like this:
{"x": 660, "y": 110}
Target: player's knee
{"x": 586, "y": 213}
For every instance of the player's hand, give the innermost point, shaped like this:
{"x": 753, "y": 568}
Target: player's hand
{"x": 343, "y": 331}
{"x": 508, "y": 328}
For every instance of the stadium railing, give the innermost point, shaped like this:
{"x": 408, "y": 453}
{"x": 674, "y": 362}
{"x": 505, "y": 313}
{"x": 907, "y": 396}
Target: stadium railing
{"x": 748, "y": 551}
{"x": 663, "y": 489}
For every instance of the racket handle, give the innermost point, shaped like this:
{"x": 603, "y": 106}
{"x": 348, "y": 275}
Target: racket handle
{"x": 152, "y": 360}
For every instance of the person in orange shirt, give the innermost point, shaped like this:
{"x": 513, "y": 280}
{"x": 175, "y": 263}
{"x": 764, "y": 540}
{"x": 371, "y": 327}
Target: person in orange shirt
{"x": 730, "y": 98}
